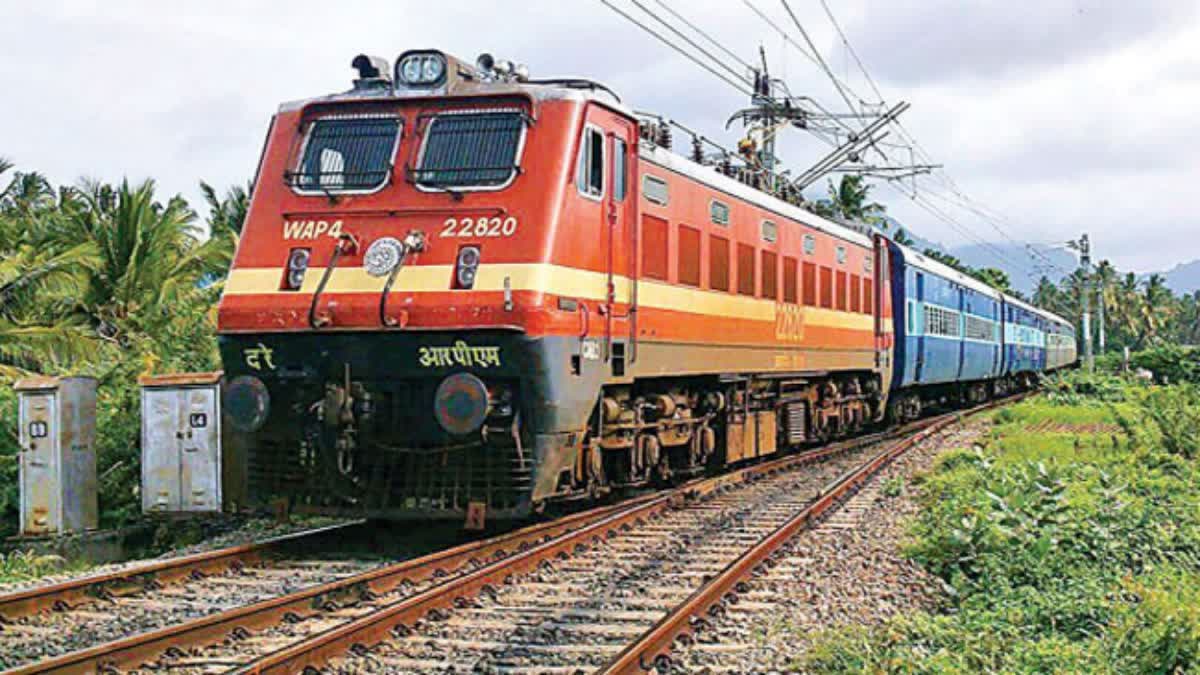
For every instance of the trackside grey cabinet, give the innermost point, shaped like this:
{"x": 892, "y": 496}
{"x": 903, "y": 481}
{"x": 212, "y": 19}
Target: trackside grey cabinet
{"x": 181, "y": 443}
{"x": 57, "y": 418}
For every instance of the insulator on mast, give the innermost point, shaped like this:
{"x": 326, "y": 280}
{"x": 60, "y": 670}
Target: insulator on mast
{"x": 697, "y": 150}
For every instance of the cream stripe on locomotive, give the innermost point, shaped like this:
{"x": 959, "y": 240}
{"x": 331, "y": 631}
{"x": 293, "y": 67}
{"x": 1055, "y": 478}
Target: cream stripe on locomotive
{"x": 543, "y": 277}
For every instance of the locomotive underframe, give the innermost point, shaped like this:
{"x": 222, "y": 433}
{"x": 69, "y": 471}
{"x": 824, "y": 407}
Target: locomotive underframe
{"x": 351, "y": 428}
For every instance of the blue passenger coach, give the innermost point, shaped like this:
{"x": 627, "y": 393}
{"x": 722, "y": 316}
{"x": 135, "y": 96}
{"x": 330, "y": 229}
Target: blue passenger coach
{"x": 958, "y": 340}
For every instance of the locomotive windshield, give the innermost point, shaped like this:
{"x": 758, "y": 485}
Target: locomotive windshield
{"x": 347, "y": 154}
{"x": 476, "y": 149}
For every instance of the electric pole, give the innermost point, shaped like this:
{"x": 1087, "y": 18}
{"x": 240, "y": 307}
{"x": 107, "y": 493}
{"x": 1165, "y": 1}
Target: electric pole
{"x": 1085, "y": 267}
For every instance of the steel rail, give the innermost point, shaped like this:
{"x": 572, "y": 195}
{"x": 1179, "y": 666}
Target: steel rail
{"x": 132, "y": 651}
{"x": 399, "y": 616}
{"x": 650, "y": 652}
{"x": 75, "y": 592}
{"x": 529, "y": 546}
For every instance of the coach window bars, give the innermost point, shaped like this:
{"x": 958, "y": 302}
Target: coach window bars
{"x": 346, "y": 154}
{"x": 471, "y": 150}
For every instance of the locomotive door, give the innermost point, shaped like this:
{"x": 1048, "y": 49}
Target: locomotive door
{"x": 623, "y": 240}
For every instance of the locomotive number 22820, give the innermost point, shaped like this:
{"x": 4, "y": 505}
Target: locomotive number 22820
{"x": 479, "y": 227}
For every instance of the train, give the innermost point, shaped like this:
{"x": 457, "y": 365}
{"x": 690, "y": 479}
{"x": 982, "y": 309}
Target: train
{"x": 462, "y": 292}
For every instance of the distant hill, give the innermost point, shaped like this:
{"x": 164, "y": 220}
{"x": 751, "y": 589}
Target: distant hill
{"x": 1182, "y": 278}
{"x": 1023, "y": 268}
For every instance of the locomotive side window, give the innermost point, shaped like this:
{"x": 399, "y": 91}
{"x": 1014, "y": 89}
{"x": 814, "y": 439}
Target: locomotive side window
{"x": 471, "y": 150}
{"x": 719, "y": 212}
{"x": 620, "y": 169}
{"x": 346, "y": 154}
{"x": 655, "y": 189}
{"x": 590, "y": 171}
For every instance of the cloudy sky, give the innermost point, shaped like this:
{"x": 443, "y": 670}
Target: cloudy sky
{"x": 1057, "y": 116}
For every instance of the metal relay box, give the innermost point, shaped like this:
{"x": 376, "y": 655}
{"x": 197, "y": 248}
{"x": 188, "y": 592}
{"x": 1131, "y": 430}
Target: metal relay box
{"x": 181, "y": 443}
{"x": 57, "y": 418}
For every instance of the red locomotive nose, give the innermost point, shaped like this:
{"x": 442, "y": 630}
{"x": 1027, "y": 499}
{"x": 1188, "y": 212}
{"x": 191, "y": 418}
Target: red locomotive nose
{"x": 461, "y": 403}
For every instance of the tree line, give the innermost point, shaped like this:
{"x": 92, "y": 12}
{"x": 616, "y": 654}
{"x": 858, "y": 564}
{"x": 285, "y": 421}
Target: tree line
{"x": 1138, "y": 313}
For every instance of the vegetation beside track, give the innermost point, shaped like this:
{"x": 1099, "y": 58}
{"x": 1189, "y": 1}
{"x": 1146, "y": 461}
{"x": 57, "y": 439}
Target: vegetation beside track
{"x": 1068, "y": 542}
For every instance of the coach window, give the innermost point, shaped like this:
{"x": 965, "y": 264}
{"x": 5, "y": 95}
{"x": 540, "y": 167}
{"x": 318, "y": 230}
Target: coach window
{"x": 620, "y": 169}
{"x": 590, "y": 171}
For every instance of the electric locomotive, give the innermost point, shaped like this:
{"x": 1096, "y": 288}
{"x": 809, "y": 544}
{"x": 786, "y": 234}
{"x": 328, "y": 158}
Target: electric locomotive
{"x": 461, "y": 291}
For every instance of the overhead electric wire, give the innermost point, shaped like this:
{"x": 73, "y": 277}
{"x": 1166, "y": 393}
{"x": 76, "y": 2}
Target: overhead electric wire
{"x": 981, "y": 210}
{"x": 741, "y": 76}
{"x": 838, "y": 27}
{"x": 677, "y": 48}
{"x": 705, "y": 35}
{"x": 837, "y": 84}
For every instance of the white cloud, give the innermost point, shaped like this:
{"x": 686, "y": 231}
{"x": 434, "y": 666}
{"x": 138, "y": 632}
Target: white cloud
{"x": 1067, "y": 115}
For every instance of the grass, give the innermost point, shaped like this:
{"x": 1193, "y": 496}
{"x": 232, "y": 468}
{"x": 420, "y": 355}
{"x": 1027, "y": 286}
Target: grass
{"x": 1065, "y": 551}
{"x": 28, "y": 565}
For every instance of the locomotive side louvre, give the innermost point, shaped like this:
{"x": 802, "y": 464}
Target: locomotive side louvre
{"x": 627, "y": 315}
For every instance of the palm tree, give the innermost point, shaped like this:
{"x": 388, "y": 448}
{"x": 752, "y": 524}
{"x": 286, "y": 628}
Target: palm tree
{"x": 848, "y": 200}
{"x": 41, "y": 272}
{"x": 150, "y": 258}
{"x": 1157, "y": 309}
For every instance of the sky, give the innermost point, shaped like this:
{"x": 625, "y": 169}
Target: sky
{"x": 1055, "y": 117}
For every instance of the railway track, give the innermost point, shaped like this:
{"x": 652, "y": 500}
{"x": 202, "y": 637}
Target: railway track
{"x": 555, "y": 597}
{"x": 43, "y": 621}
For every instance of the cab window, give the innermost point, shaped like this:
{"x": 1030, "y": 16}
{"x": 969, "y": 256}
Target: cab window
{"x": 590, "y": 169}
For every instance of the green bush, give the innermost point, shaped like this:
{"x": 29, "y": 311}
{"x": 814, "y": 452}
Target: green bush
{"x": 1170, "y": 363}
{"x": 1062, "y": 553}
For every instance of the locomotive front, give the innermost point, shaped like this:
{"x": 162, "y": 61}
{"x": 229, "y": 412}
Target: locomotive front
{"x": 385, "y": 329}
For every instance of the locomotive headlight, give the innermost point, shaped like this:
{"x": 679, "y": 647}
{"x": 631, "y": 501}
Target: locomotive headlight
{"x": 297, "y": 265}
{"x": 467, "y": 266}
{"x": 382, "y": 256}
{"x": 247, "y": 403}
{"x": 421, "y": 68}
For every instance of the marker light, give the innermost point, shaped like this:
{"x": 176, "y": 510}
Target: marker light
{"x": 382, "y": 256}
{"x": 297, "y": 265}
{"x": 467, "y": 266}
{"x": 423, "y": 69}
